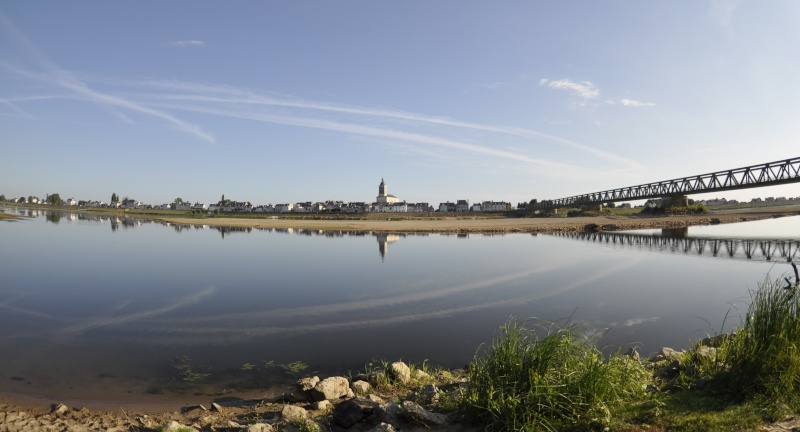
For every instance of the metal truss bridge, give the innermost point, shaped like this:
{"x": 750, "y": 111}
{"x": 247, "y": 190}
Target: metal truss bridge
{"x": 765, "y": 174}
{"x": 756, "y": 250}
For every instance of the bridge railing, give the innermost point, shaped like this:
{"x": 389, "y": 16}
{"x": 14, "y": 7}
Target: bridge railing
{"x": 765, "y": 174}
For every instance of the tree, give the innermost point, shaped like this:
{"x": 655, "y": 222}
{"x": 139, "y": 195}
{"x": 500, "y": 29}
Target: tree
{"x": 611, "y": 205}
{"x": 54, "y": 199}
{"x": 179, "y": 200}
{"x": 114, "y": 198}
{"x": 2, "y": 197}
{"x": 22, "y": 199}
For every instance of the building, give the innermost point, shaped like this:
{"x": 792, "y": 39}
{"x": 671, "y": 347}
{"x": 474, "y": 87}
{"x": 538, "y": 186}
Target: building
{"x": 383, "y": 195}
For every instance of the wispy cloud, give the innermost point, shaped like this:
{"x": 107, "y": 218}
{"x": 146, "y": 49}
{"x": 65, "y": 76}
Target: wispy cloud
{"x": 584, "y": 89}
{"x": 630, "y": 103}
{"x": 232, "y": 98}
{"x": 187, "y": 43}
{"x": 53, "y": 74}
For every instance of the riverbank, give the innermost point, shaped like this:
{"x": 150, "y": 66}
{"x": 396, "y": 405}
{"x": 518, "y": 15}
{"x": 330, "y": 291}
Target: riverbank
{"x": 468, "y": 224}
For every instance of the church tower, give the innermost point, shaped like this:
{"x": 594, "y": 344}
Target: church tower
{"x": 383, "y": 195}
{"x": 382, "y": 189}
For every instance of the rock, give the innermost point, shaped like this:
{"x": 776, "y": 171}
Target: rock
{"x": 400, "y": 371}
{"x": 174, "y": 426}
{"x": 330, "y": 388}
{"x": 294, "y": 397}
{"x": 670, "y": 353}
{"x": 59, "y": 409}
{"x": 669, "y": 371}
{"x": 348, "y": 413}
{"x": 260, "y": 427}
{"x": 707, "y": 352}
{"x": 193, "y": 407}
{"x": 421, "y": 375}
{"x": 416, "y": 414}
{"x": 215, "y": 407}
{"x": 360, "y": 387}
{"x": 234, "y": 424}
{"x": 306, "y": 384}
{"x": 383, "y": 427}
{"x": 375, "y": 399}
{"x": 427, "y": 394}
{"x": 633, "y": 354}
{"x": 321, "y": 405}
{"x": 294, "y": 413}
{"x": 388, "y": 412}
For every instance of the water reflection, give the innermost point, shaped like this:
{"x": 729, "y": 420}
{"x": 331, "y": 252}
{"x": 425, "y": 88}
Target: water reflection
{"x": 729, "y": 248}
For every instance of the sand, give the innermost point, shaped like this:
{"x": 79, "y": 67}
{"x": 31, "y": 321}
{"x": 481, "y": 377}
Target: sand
{"x": 468, "y": 224}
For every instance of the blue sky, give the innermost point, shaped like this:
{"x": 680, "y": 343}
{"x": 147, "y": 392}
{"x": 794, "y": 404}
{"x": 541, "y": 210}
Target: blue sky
{"x": 308, "y": 101}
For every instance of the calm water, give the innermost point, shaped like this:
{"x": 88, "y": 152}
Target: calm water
{"x": 99, "y": 308}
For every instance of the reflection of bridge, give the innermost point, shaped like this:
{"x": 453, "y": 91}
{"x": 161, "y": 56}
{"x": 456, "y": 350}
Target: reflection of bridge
{"x": 731, "y": 248}
{"x": 676, "y": 190}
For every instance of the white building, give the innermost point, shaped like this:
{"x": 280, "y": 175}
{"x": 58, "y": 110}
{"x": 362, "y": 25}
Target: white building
{"x": 494, "y": 206}
{"x": 383, "y": 195}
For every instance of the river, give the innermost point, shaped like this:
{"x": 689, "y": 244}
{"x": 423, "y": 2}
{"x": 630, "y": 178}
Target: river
{"x": 105, "y": 308}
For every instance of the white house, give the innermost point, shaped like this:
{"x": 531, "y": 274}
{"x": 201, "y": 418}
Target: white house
{"x": 462, "y": 206}
{"x": 70, "y": 202}
{"x": 494, "y": 206}
{"x": 284, "y": 208}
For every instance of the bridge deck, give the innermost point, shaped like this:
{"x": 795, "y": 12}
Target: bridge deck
{"x": 765, "y": 174}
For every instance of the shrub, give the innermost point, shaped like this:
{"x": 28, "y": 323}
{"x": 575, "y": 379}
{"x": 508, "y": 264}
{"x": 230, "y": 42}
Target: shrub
{"x": 548, "y": 378}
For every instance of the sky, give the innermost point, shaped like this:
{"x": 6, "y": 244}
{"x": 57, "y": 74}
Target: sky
{"x": 275, "y": 102}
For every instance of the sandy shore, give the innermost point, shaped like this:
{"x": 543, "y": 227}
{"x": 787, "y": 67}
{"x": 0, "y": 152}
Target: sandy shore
{"x": 500, "y": 225}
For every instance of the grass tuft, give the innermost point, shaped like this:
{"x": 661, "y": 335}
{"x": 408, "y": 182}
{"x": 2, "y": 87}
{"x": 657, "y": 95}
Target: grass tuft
{"x": 537, "y": 377}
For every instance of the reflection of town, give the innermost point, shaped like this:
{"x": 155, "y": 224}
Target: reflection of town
{"x": 676, "y": 241}
{"x": 124, "y": 222}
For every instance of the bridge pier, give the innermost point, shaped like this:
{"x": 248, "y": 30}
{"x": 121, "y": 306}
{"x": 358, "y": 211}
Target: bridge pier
{"x": 675, "y": 201}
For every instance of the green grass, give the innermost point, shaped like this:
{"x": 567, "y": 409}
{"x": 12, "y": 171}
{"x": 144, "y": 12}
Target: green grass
{"x": 549, "y": 378}
{"x": 761, "y": 361}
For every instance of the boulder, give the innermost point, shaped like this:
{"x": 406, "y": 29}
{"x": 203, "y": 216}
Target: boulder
{"x": 421, "y": 375}
{"x": 321, "y": 405}
{"x": 307, "y": 383}
{"x": 348, "y": 413}
{"x": 400, "y": 372}
{"x": 294, "y": 413}
{"x": 330, "y": 389}
{"x": 416, "y": 414}
{"x": 388, "y": 412}
{"x": 360, "y": 387}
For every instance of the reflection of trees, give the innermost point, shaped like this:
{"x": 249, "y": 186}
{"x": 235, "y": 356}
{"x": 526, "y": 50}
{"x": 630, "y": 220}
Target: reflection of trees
{"x": 228, "y": 230}
{"x": 53, "y": 217}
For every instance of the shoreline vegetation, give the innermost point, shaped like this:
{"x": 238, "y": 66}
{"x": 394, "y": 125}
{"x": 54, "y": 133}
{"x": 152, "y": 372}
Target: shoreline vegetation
{"x": 534, "y": 376}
